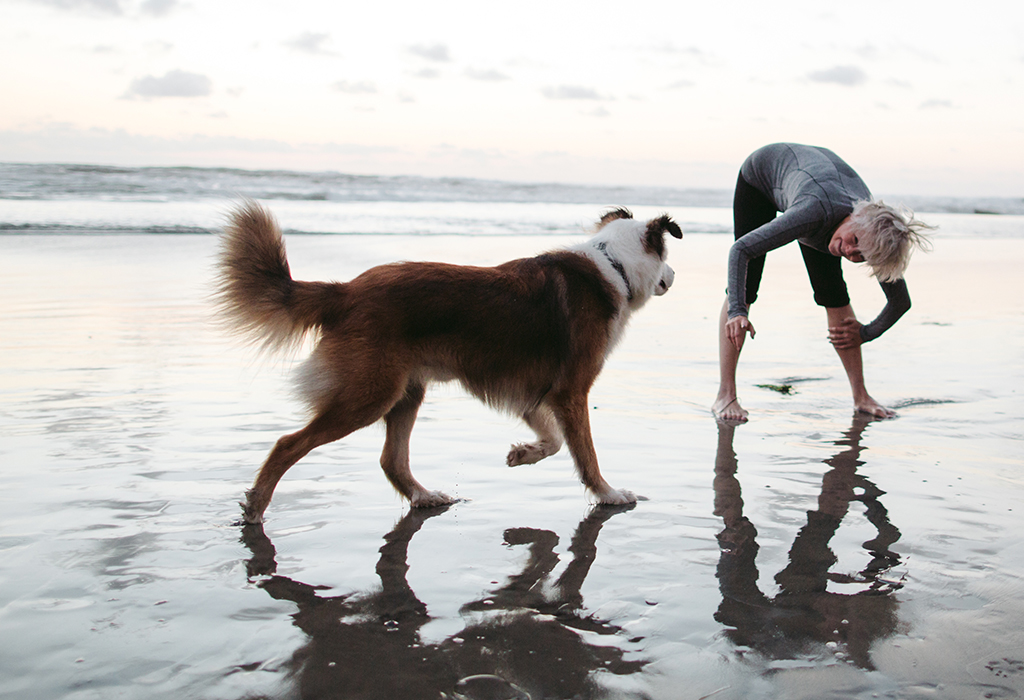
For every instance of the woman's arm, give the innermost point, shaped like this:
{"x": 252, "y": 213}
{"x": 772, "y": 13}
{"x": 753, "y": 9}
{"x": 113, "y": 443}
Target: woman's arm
{"x": 850, "y": 333}
{"x": 897, "y": 303}
{"x": 799, "y": 221}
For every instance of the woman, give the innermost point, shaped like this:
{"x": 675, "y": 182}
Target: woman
{"x": 828, "y": 209}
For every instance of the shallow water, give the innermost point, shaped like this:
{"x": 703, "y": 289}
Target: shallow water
{"x": 806, "y": 554}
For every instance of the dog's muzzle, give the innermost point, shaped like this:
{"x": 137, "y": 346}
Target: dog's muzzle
{"x": 668, "y": 276}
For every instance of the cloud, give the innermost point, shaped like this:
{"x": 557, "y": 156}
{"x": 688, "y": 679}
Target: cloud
{"x": 361, "y": 88}
{"x": 60, "y": 142}
{"x": 481, "y": 156}
{"x": 570, "y": 92}
{"x": 428, "y": 73}
{"x": 177, "y": 83}
{"x": 486, "y": 75}
{"x": 159, "y": 46}
{"x": 669, "y": 47}
{"x": 868, "y": 52}
{"x": 839, "y": 75}
{"x": 106, "y": 7}
{"x": 680, "y": 84}
{"x": 692, "y": 52}
{"x": 311, "y": 43}
{"x": 431, "y": 52}
{"x": 158, "y": 8}
{"x": 114, "y": 8}
{"x": 936, "y": 104}
{"x": 896, "y": 82}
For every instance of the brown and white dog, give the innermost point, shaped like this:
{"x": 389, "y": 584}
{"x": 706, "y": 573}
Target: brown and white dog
{"x": 528, "y": 337}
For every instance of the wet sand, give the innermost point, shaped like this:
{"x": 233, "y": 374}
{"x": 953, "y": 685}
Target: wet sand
{"x": 807, "y": 554}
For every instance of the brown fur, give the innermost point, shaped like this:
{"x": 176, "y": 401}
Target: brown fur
{"x": 529, "y": 337}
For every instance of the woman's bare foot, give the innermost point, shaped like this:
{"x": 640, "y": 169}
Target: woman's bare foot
{"x": 729, "y": 409}
{"x": 871, "y": 407}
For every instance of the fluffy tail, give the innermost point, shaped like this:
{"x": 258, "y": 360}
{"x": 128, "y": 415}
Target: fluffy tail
{"x": 255, "y": 294}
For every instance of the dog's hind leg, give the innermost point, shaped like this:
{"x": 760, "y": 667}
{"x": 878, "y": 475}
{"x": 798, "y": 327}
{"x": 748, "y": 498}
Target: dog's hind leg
{"x": 549, "y": 438}
{"x": 574, "y": 418}
{"x": 394, "y": 460}
{"x": 334, "y": 422}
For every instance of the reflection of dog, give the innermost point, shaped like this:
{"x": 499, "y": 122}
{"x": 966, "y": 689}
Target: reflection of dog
{"x": 529, "y": 336}
{"x": 531, "y": 637}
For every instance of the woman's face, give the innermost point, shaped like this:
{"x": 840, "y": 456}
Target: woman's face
{"x": 846, "y": 242}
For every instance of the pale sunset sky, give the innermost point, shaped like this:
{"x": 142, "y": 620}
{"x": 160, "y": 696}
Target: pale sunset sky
{"x": 920, "y": 97}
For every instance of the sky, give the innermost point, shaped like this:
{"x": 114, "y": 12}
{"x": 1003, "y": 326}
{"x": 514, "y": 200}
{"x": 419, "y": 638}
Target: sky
{"x": 919, "y": 97}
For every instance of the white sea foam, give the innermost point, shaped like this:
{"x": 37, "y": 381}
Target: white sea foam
{"x": 84, "y": 198}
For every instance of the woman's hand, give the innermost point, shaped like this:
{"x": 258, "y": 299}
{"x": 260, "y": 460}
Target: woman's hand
{"x": 736, "y": 329}
{"x": 846, "y": 335}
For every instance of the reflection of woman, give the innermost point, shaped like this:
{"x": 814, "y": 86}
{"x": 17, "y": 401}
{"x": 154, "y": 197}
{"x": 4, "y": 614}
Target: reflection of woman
{"x": 827, "y": 208}
{"x": 804, "y": 610}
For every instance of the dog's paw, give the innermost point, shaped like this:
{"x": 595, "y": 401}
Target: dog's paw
{"x": 524, "y": 453}
{"x": 617, "y": 497}
{"x": 249, "y": 515}
{"x": 529, "y": 453}
{"x": 431, "y": 499}
{"x": 518, "y": 455}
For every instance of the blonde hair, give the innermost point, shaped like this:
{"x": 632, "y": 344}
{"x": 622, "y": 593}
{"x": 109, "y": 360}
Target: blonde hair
{"x": 888, "y": 237}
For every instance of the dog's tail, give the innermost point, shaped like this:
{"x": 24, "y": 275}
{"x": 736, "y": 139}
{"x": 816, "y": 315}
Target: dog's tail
{"x": 255, "y": 293}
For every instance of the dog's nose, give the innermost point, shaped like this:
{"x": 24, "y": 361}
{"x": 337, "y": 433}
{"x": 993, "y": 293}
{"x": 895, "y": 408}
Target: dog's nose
{"x": 668, "y": 276}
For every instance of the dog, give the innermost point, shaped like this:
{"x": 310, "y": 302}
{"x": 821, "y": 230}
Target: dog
{"x": 528, "y": 337}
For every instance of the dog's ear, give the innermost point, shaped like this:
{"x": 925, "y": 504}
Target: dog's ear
{"x": 654, "y": 236}
{"x": 613, "y": 214}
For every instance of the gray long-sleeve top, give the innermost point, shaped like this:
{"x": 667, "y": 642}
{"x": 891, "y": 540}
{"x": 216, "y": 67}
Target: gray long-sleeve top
{"x": 815, "y": 190}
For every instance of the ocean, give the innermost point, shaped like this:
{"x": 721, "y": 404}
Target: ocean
{"x": 75, "y": 199}
{"x": 809, "y": 553}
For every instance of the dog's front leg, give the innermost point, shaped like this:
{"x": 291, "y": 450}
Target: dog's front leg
{"x": 549, "y": 439}
{"x": 574, "y": 418}
{"x": 394, "y": 460}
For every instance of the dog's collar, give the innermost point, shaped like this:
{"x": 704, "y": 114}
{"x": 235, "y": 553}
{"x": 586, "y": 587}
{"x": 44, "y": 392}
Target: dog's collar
{"x": 602, "y": 246}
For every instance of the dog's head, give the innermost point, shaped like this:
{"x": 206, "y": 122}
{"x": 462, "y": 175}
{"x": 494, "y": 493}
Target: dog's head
{"x": 636, "y": 252}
